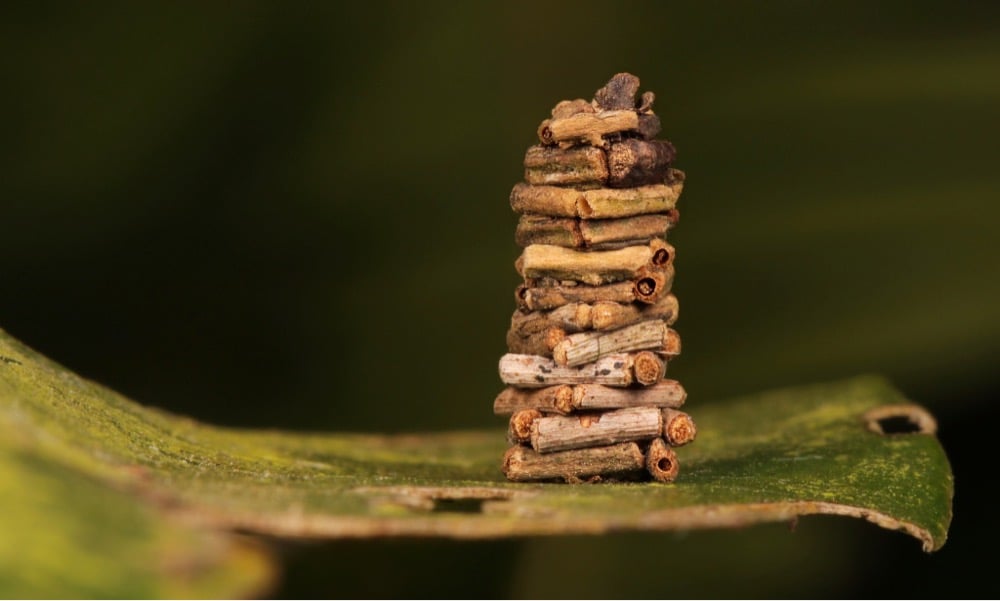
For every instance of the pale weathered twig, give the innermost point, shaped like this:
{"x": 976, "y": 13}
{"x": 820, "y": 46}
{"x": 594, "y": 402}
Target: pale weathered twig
{"x": 585, "y": 347}
{"x": 560, "y": 433}
{"x": 533, "y": 371}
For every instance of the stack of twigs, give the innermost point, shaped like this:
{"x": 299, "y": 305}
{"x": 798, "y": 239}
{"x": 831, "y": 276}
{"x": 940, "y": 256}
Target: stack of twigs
{"x": 590, "y": 340}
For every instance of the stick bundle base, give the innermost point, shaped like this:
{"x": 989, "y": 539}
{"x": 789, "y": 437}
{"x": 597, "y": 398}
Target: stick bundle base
{"x": 622, "y": 461}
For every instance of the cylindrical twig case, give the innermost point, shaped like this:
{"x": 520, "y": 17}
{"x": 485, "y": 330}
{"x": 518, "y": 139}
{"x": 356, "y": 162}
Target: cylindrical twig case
{"x": 591, "y": 337}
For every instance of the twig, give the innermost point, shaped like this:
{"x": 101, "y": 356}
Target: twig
{"x": 522, "y": 464}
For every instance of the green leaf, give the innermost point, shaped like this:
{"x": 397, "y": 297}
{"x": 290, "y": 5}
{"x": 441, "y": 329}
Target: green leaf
{"x": 102, "y": 497}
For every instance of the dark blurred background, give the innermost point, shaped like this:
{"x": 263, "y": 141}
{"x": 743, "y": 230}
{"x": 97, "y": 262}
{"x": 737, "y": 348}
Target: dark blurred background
{"x": 295, "y": 215}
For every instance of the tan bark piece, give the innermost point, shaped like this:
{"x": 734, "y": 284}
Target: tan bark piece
{"x": 587, "y": 128}
{"x": 571, "y": 318}
{"x": 607, "y": 315}
{"x": 671, "y": 345}
{"x": 566, "y": 348}
{"x": 664, "y": 393}
{"x": 602, "y": 231}
{"x": 565, "y": 399}
{"x": 651, "y": 284}
{"x": 583, "y": 166}
{"x": 635, "y": 162}
{"x": 519, "y": 427}
{"x": 678, "y": 428}
{"x": 544, "y": 330}
{"x": 536, "y": 343}
{"x": 568, "y": 108}
{"x": 647, "y": 368}
{"x": 552, "y": 399}
{"x": 522, "y": 464}
{"x": 537, "y": 333}
{"x": 661, "y": 461}
{"x": 648, "y": 287}
{"x": 596, "y": 267}
{"x": 596, "y": 203}
{"x": 545, "y": 229}
{"x": 594, "y": 234}
{"x": 614, "y": 203}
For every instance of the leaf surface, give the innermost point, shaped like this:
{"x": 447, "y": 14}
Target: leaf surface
{"x": 100, "y": 496}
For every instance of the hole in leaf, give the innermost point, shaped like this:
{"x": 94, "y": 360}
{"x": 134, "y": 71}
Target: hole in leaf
{"x": 441, "y": 499}
{"x": 898, "y": 424}
{"x": 471, "y": 505}
{"x": 900, "y": 419}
